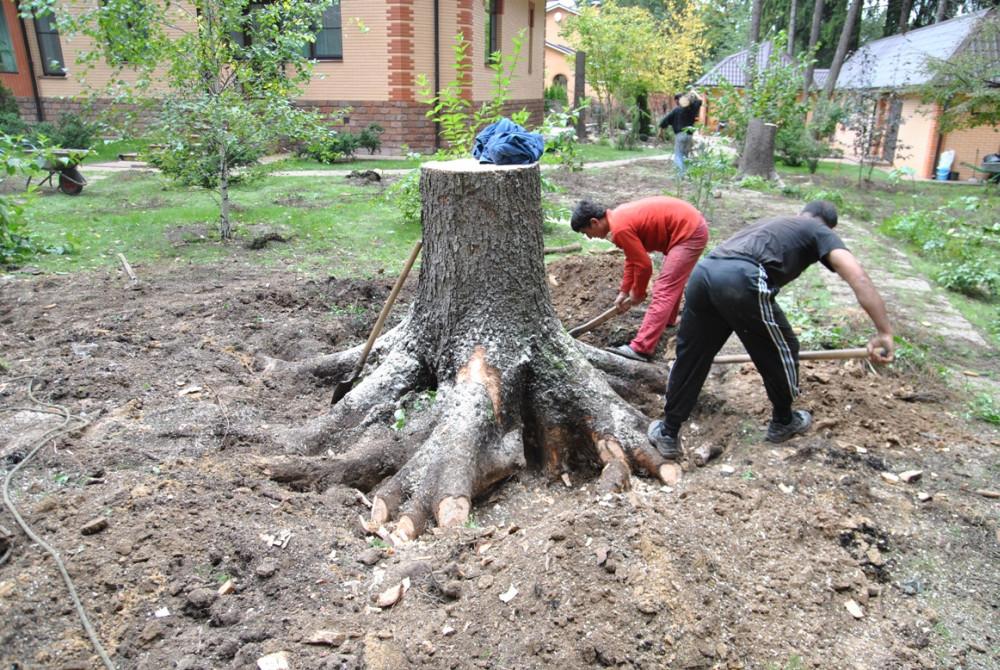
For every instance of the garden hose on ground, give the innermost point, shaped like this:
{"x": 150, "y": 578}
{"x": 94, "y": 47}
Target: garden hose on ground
{"x": 62, "y": 429}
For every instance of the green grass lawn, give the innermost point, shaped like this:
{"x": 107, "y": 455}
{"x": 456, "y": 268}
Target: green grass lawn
{"x": 337, "y": 227}
{"x": 589, "y": 152}
{"x": 108, "y": 150}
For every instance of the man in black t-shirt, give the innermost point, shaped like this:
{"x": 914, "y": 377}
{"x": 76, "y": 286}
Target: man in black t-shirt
{"x": 733, "y": 289}
{"x": 682, "y": 119}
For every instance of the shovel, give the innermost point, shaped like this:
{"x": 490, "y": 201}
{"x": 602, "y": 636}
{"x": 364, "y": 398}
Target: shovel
{"x": 345, "y": 385}
{"x": 598, "y": 320}
{"x": 822, "y": 355}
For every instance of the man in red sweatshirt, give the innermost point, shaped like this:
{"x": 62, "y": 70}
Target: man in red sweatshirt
{"x": 668, "y": 225}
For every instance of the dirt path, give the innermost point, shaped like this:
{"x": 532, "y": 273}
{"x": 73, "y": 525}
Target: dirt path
{"x": 748, "y": 563}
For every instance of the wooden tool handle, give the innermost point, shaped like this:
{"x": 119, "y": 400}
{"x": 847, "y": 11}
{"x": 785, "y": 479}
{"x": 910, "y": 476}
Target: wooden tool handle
{"x": 603, "y": 317}
{"x": 387, "y": 307}
{"x": 823, "y": 355}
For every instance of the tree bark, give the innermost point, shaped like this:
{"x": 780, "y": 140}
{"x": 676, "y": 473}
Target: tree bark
{"x": 755, "y": 14}
{"x": 758, "y": 152}
{"x": 792, "y": 12}
{"x": 487, "y": 376}
{"x": 942, "y": 11}
{"x": 845, "y": 38}
{"x": 817, "y": 22}
{"x": 904, "y": 15}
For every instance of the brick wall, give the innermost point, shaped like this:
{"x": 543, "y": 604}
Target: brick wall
{"x": 404, "y": 122}
{"x": 970, "y": 146}
{"x": 53, "y": 108}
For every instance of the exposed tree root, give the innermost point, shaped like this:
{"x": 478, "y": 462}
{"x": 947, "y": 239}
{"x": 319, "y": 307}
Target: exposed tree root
{"x": 481, "y": 379}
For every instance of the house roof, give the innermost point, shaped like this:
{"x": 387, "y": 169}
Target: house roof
{"x": 561, "y": 48}
{"x": 733, "y": 68}
{"x": 900, "y": 61}
{"x": 820, "y": 76}
{"x": 565, "y": 5}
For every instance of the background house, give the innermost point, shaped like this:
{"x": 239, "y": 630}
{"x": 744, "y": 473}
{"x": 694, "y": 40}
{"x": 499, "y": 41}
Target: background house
{"x": 560, "y": 57}
{"x": 893, "y": 66}
{"x": 372, "y": 71}
{"x": 733, "y": 69}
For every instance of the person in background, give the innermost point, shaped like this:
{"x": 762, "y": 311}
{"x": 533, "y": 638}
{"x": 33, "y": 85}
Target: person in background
{"x": 682, "y": 119}
{"x": 733, "y": 289}
{"x": 668, "y": 225}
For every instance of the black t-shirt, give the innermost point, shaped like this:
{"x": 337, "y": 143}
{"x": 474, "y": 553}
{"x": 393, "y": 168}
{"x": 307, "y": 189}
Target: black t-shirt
{"x": 682, "y": 118}
{"x": 785, "y": 246}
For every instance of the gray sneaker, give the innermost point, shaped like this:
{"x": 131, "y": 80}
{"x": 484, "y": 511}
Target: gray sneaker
{"x": 669, "y": 447}
{"x": 627, "y": 351}
{"x": 779, "y": 432}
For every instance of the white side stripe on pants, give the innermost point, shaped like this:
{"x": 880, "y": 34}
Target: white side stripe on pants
{"x": 767, "y": 316}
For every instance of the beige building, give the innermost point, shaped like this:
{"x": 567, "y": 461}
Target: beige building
{"x": 891, "y": 68}
{"x": 372, "y": 71}
{"x": 560, "y": 57}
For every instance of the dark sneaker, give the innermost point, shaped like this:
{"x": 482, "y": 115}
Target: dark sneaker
{"x": 669, "y": 447}
{"x": 628, "y": 352}
{"x": 779, "y": 432}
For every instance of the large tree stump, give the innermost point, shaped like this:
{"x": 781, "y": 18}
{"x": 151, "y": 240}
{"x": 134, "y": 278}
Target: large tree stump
{"x": 758, "y": 151}
{"x": 491, "y": 379}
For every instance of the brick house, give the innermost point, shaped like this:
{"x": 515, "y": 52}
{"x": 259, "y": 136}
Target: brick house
{"x": 372, "y": 71}
{"x": 893, "y": 66}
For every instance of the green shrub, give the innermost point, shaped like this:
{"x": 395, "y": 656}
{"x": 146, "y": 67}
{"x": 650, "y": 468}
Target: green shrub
{"x": 972, "y": 277}
{"x": 332, "y": 146}
{"x": 73, "y": 132}
{"x": 405, "y": 195}
{"x": 13, "y": 124}
{"x": 755, "y": 183}
{"x": 8, "y": 103}
{"x": 557, "y": 93}
{"x": 371, "y": 138}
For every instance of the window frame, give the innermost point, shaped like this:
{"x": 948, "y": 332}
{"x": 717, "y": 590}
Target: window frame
{"x": 10, "y": 45}
{"x": 243, "y": 40}
{"x": 494, "y": 41}
{"x": 312, "y": 45}
{"x": 42, "y": 54}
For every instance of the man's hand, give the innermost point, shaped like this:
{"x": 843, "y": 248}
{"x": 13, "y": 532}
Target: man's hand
{"x": 880, "y": 349}
{"x": 623, "y": 302}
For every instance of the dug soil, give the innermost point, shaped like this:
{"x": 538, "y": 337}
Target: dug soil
{"x": 810, "y": 554}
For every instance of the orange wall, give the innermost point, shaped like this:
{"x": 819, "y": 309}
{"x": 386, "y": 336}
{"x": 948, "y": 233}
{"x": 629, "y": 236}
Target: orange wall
{"x": 970, "y": 146}
{"x": 917, "y": 139}
{"x": 19, "y": 82}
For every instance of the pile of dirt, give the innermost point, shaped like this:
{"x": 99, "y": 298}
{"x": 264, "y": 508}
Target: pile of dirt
{"x": 809, "y": 554}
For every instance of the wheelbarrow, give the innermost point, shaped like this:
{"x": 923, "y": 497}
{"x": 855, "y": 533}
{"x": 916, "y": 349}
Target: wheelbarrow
{"x": 62, "y": 165}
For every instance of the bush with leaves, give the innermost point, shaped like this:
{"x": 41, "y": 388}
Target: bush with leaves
{"x": 965, "y": 251}
{"x": 557, "y": 93}
{"x": 459, "y": 118}
{"x": 371, "y": 138}
{"x": 16, "y": 245}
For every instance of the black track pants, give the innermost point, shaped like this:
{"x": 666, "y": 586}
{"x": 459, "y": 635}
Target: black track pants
{"x": 724, "y": 296}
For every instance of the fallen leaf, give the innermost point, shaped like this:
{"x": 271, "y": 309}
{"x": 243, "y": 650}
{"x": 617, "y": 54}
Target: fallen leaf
{"x": 854, "y": 609}
{"x": 509, "y": 594}
{"x": 276, "y": 661}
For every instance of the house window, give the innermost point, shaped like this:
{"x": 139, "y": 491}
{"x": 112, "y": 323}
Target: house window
{"x": 48, "y": 46}
{"x": 7, "y": 61}
{"x": 494, "y": 9}
{"x": 329, "y": 44}
{"x": 531, "y": 34}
